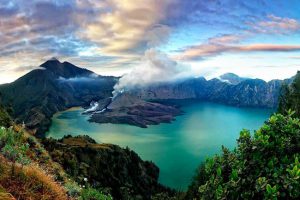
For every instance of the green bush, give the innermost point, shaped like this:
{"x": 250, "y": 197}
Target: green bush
{"x": 265, "y": 166}
{"x": 290, "y": 96}
{"x": 73, "y": 189}
{"x": 85, "y": 193}
{"x": 5, "y": 119}
{"x": 14, "y": 147}
{"x": 93, "y": 194}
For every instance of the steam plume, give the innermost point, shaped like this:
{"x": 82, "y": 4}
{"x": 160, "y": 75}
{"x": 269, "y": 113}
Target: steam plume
{"x": 156, "y": 67}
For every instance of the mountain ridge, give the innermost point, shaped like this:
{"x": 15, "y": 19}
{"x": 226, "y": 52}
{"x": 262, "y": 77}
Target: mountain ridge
{"x": 57, "y": 86}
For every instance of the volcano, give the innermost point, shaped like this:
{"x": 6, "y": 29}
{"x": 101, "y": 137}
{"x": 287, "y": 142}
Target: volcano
{"x": 128, "y": 109}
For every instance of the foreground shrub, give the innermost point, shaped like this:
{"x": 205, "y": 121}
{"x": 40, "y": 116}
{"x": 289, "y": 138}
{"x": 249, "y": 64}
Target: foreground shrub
{"x": 265, "y": 166}
{"x": 5, "y": 119}
{"x": 14, "y": 147}
{"x": 73, "y": 189}
{"x": 93, "y": 194}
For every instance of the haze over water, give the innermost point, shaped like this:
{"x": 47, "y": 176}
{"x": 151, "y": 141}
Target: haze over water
{"x": 177, "y": 148}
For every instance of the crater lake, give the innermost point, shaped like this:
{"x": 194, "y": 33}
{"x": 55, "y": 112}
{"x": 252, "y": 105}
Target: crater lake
{"x": 176, "y": 148}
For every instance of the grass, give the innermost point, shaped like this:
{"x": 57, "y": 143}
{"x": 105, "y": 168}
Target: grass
{"x": 29, "y": 182}
{"x": 5, "y": 195}
{"x": 77, "y": 141}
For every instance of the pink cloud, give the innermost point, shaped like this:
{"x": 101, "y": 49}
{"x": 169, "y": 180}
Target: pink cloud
{"x": 207, "y": 50}
{"x": 231, "y": 42}
{"x": 226, "y": 39}
{"x": 276, "y": 25}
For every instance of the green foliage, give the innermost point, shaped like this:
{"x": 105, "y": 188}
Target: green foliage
{"x": 73, "y": 189}
{"x": 93, "y": 194}
{"x": 101, "y": 165}
{"x": 85, "y": 192}
{"x": 13, "y": 146}
{"x": 290, "y": 97}
{"x": 5, "y": 119}
{"x": 265, "y": 166}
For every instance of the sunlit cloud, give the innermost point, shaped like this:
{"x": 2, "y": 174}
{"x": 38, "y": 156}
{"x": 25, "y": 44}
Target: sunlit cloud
{"x": 278, "y": 25}
{"x": 127, "y": 27}
{"x": 230, "y": 43}
{"x": 110, "y": 36}
{"x": 207, "y": 50}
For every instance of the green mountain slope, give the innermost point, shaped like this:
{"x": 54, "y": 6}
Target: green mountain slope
{"x": 290, "y": 97}
{"x": 5, "y": 119}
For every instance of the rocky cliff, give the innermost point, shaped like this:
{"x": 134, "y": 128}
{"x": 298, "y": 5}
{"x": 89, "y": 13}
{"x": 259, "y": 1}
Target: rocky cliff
{"x": 120, "y": 171}
{"x": 248, "y": 92}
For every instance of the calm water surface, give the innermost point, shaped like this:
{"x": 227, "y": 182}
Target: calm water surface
{"x": 177, "y": 148}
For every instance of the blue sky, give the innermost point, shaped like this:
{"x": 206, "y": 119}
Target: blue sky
{"x": 257, "y": 38}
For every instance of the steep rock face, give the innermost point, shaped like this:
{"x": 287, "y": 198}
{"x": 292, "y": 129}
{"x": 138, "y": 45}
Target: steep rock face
{"x": 107, "y": 166}
{"x": 184, "y": 89}
{"x": 248, "y": 92}
{"x": 56, "y": 86}
{"x": 253, "y": 93}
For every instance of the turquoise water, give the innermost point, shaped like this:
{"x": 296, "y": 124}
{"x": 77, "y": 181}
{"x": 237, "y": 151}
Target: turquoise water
{"x": 177, "y": 148}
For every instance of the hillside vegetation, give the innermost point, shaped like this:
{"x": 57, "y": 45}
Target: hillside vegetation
{"x": 21, "y": 170}
{"x": 290, "y": 97}
{"x": 28, "y": 172}
{"x": 5, "y": 119}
